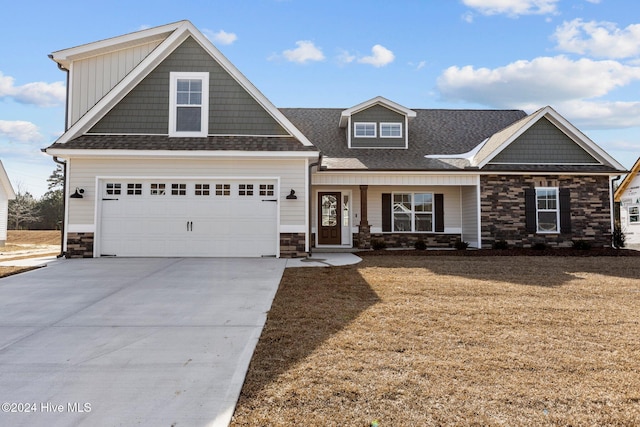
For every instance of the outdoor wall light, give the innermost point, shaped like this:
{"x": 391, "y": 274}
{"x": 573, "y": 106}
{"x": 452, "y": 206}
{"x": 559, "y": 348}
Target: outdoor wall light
{"x": 78, "y": 194}
{"x": 292, "y": 195}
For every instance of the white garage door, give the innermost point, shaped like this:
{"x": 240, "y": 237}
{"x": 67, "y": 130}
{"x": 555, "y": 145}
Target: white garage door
{"x": 188, "y": 218}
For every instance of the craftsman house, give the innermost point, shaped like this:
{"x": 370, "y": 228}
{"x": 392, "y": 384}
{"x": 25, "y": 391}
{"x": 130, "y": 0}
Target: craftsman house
{"x": 170, "y": 151}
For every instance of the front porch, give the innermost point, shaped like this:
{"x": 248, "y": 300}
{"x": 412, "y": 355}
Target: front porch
{"x": 398, "y": 210}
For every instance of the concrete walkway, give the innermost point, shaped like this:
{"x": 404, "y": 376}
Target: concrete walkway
{"x": 149, "y": 342}
{"x": 324, "y": 260}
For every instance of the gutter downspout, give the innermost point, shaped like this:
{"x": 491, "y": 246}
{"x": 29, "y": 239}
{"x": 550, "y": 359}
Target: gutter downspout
{"x": 64, "y": 205}
{"x": 309, "y": 195}
{"x": 612, "y": 207}
{"x": 64, "y": 164}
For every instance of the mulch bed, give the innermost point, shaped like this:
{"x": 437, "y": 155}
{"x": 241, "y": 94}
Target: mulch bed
{"x": 562, "y": 252}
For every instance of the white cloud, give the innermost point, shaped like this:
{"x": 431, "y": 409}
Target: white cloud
{"x": 574, "y": 88}
{"x": 380, "y": 57}
{"x": 221, "y": 37}
{"x": 542, "y": 81}
{"x": 37, "y": 93}
{"x": 599, "y": 39}
{"x": 305, "y": 52}
{"x": 20, "y": 131}
{"x": 513, "y": 8}
{"x": 345, "y": 57}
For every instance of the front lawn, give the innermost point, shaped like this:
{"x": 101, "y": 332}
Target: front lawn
{"x": 450, "y": 341}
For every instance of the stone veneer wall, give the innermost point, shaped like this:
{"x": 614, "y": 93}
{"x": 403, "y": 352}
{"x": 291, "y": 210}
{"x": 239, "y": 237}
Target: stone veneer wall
{"x": 503, "y": 212}
{"x": 79, "y": 245}
{"x": 407, "y": 240}
{"x": 292, "y": 245}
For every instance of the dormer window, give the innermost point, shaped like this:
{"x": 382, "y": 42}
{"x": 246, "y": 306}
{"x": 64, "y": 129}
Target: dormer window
{"x": 364, "y": 130}
{"x": 189, "y": 104}
{"x": 377, "y": 123}
{"x": 390, "y": 130}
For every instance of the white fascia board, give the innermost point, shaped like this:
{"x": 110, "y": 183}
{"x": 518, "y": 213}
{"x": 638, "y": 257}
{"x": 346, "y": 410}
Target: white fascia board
{"x": 118, "y": 92}
{"x": 248, "y": 86}
{"x": 196, "y": 154}
{"x": 410, "y": 114}
{"x": 183, "y": 30}
{"x": 64, "y": 57}
{"x": 469, "y": 155}
{"x": 564, "y": 126}
{"x": 580, "y": 138}
{"x": 6, "y": 183}
{"x": 512, "y": 138}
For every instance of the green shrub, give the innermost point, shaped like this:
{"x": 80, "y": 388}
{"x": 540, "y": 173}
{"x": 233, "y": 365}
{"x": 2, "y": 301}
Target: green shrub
{"x": 378, "y": 244}
{"x": 460, "y": 245}
{"x": 500, "y": 244}
{"x": 420, "y": 245}
{"x": 581, "y": 245}
{"x": 618, "y": 236}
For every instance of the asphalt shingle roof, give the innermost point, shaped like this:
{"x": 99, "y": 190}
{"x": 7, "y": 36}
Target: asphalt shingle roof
{"x": 431, "y": 132}
{"x": 163, "y": 142}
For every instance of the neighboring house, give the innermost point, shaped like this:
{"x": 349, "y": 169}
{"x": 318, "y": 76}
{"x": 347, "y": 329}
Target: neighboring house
{"x": 628, "y": 195}
{"x": 171, "y": 151}
{"x": 6, "y": 194}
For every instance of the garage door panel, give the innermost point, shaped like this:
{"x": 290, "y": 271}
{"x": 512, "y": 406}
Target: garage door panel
{"x": 194, "y": 224}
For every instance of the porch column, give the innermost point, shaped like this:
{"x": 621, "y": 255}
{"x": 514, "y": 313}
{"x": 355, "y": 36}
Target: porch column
{"x": 364, "y": 229}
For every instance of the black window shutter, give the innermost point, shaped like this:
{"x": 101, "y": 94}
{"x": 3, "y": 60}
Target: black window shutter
{"x": 439, "y": 211}
{"x": 530, "y": 209}
{"x": 565, "y": 210}
{"x": 386, "y": 212}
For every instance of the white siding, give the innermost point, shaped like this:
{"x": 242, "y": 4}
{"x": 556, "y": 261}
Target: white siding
{"x": 331, "y": 178}
{"x": 469, "y": 202}
{"x": 94, "y": 77}
{"x": 451, "y": 196}
{"x": 83, "y": 173}
{"x": 452, "y": 208}
{"x": 630, "y": 197}
{"x": 4, "y": 210}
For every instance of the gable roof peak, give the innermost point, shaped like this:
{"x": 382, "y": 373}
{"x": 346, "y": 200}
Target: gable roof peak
{"x": 502, "y": 139}
{"x": 171, "y": 36}
{"x": 65, "y": 57}
{"x": 378, "y": 100}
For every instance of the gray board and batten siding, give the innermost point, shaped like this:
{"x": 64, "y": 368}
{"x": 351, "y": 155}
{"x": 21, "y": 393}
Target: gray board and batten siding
{"x": 544, "y": 143}
{"x": 378, "y": 114}
{"x": 232, "y": 110}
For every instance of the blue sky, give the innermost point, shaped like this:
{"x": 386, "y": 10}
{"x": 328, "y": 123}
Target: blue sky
{"x": 582, "y": 57}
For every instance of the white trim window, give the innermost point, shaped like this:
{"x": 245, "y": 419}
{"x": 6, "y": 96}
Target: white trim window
{"x": 390, "y": 130}
{"x": 634, "y": 214}
{"x": 188, "y": 104}
{"x": 547, "y": 210}
{"x": 412, "y": 212}
{"x": 364, "y": 130}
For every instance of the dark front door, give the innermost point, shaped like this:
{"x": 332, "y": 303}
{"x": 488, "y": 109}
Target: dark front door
{"x": 329, "y": 224}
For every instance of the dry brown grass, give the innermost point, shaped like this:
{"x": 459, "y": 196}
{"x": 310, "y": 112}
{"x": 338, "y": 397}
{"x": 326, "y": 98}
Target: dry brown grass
{"x": 512, "y": 341}
{"x": 23, "y": 244}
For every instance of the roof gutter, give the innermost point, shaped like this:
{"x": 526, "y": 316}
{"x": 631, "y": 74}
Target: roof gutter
{"x": 309, "y": 219}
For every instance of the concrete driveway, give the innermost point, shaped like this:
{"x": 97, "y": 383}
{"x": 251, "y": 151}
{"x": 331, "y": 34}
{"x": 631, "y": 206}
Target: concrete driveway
{"x": 151, "y": 342}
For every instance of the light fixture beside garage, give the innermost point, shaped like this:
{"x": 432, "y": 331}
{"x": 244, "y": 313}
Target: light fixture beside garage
{"x": 78, "y": 194}
{"x": 292, "y": 195}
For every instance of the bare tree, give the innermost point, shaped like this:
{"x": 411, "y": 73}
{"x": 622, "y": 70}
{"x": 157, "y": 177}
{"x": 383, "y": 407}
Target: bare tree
{"x": 23, "y": 210}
